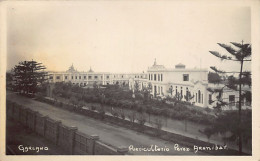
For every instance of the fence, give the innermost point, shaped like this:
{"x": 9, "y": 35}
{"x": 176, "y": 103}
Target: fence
{"x": 68, "y": 138}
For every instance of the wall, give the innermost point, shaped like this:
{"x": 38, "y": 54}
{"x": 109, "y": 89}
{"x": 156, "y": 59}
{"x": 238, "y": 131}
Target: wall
{"x": 68, "y": 138}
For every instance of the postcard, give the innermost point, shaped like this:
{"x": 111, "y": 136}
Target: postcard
{"x": 129, "y": 80}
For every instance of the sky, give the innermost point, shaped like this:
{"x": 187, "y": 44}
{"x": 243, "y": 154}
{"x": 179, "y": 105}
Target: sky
{"x": 124, "y": 36}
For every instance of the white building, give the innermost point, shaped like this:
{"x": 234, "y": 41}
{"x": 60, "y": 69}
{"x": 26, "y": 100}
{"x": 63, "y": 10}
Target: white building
{"x": 171, "y": 82}
{"x": 90, "y": 77}
{"x": 229, "y": 96}
{"x": 178, "y": 81}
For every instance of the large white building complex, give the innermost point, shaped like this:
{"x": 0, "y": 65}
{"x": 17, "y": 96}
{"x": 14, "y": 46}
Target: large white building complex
{"x": 90, "y": 77}
{"x": 163, "y": 82}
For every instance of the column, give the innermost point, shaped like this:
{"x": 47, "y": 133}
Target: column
{"x": 72, "y": 131}
{"x": 91, "y": 144}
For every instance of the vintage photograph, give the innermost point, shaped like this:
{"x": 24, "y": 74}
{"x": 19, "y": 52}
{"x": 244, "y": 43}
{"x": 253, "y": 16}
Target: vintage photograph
{"x": 164, "y": 78}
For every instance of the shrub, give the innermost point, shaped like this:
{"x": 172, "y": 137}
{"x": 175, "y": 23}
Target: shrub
{"x": 141, "y": 119}
{"x": 93, "y": 107}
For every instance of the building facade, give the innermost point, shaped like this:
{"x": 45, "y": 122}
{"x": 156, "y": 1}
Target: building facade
{"x": 189, "y": 84}
{"x": 186, "y": 84}
{"x": 90, "y": 77}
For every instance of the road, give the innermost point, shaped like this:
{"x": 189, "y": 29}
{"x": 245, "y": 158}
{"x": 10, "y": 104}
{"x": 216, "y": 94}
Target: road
{"x": 108, "y": 133}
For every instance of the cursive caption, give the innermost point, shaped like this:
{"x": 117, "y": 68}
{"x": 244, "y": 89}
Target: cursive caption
{"x": 25, "y": 149}
{"x": 177, "y": 147}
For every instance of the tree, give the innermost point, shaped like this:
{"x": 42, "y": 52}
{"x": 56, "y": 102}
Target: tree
{"x": 141, "y": 119}
{"x": 95, "y": 87}
{"x": 227, "y": 122}
{"x": 214, "y": 77}
{"x": 188, "y": 96}
{"x": 9, "y": 80}
{"x": 158, "y": 125}
{"x": 136, "y": 86}
{"x": 28, "y": 75}
{"x": 178, "y": 96}
{"x": 240, "y": 54}
{"x": 170, "y": 91}
{"x": 147, "y": 92}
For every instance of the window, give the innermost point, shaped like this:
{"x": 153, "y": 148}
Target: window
{"x": 176, "y": 91}
{"x": 185, "y": 77}
{"x": 89, "y": 77}
{"x": 232, "y": 100}
{"x": 66, "y": 77}
{"x": 51, "y": 77}
{"x": 158, "y": 77}
{"x": 71, "y": 77}
{"x": 181, "y": 91}
{"x": 196, "y": 97}
{"x": 57, "y": 77}
{"x": 149, "y": 77}
{"x": 141, "y": 76}
{"x": 96, "y": 77}
{"x": 79, "y": 77}
{"x": 122, "y": 76}
{"x": 84, "y": 77}
{"x": 187, "y": 94}
{"x": 155, "y": 77}
{"x": 76, "y": 77}
{"x": 84, "y": 84}
{"x": 210, "y": 98}
{"x": 107, "y": 76}
{"x": 199, "y": 96}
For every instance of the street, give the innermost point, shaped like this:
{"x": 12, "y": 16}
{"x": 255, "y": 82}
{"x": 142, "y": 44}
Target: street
{"x": 108, "y": 133}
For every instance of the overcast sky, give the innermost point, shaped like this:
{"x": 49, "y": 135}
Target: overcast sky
{"x": 116, "y": 36}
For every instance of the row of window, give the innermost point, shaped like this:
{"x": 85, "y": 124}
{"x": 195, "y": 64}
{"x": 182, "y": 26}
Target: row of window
{"x": 158, "y": 90}
{"x": 159, "y": 77}
{"x": 90, "y": 77}
{"x": 78, "y": 77}
{"x": 198, "y": 96}
{"x": 155, "y": 76}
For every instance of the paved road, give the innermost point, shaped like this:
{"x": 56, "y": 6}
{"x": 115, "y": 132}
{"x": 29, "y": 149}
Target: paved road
{"x": 108, "y": 133}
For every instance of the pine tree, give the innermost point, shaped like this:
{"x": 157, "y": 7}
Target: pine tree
{"x": 28, "y": 75}
{"x": 241, "y": 54}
